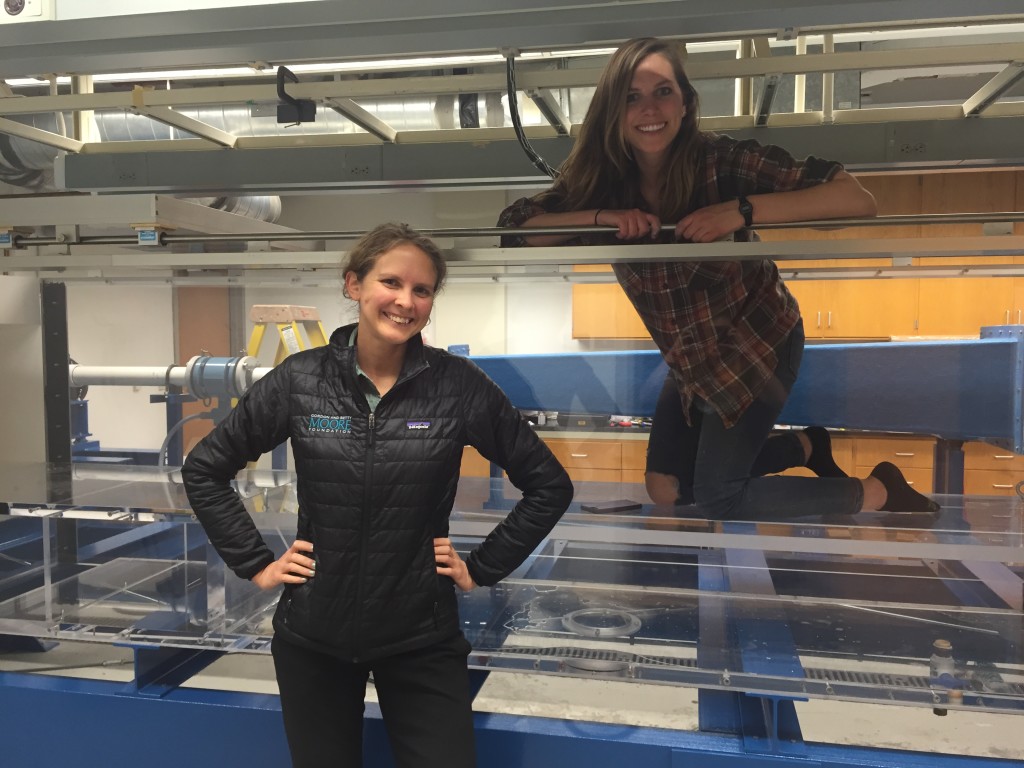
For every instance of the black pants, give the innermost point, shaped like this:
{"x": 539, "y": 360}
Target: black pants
{"x": 423, "y": 695}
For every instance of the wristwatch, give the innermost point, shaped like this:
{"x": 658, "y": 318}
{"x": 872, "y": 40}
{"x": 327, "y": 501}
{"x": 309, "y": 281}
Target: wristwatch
{"x": 747, "y": 210}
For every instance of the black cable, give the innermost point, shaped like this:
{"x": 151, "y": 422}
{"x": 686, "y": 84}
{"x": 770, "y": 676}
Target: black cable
{"x": 513, "y": 108}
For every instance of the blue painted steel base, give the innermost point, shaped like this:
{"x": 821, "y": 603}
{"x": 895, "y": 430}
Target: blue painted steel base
{"x": 50, "y": 721}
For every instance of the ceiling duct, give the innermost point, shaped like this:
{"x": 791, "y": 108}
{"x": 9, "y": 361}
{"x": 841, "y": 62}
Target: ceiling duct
{"x": 29, "y": 164}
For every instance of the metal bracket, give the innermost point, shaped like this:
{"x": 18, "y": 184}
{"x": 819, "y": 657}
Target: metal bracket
{"x": 292, "y": 110}
{"x": 159, "y": 670}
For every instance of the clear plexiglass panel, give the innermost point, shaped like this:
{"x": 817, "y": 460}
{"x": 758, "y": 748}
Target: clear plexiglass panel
{"x": 820, "y": 609}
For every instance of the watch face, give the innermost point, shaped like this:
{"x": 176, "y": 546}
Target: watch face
{"x": 14, "y": 7}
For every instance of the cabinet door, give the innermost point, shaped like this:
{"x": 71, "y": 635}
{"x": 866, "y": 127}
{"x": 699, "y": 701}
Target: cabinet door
{"x": 473, "y": 464}
{"x": 914, "y": 456}
{"x": 810, "y": 295}
{"x": 602, "y": 311}
{"x": 634, "y": 461}
{"x": 842, "y": 454}
{"x": 962, "y": 306}
{"x": 586, "y": 460}
{"x": 870, "y": 309}
{"x": 839, "y": 308}
{"x": 991, "y": 471}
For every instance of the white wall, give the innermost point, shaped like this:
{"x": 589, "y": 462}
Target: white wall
{"x": 122, "y": 325}
{"x": 130, "y": 325}
{"x": 22, "y": 419}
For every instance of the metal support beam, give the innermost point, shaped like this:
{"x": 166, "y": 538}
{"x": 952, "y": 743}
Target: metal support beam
{"x": 550, "y": 109}
{"x": 168, "y": 116}
{"x": 158, "y": 671}
{"x": 991, "y": 91}
{"x": 368, "y": 121}
{"x": 31, "y": 133}
{"x": 769, "y": 88}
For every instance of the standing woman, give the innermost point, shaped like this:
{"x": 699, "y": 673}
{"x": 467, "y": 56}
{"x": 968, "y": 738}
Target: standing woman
{"x": 377, "y": 422}
{"x": 730, "y": 332}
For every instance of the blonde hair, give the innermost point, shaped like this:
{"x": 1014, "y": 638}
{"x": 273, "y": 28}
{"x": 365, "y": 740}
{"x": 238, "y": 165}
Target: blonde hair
{"x": 600, "y": 171}
{"x": 381, "y": 239}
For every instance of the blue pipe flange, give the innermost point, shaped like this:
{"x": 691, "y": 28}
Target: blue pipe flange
{"x": 209, "y": 377}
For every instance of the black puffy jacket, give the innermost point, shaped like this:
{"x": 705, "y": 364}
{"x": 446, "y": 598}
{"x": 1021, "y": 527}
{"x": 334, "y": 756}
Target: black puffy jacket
{"x": 373, "y": 492}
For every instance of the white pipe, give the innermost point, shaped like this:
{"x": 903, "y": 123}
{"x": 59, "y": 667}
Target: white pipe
{"x": 260, "y": 478}
{"x": 137, "y": 375}
{"x": 127, "y": 375}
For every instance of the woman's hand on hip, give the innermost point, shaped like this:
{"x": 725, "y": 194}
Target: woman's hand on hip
{"x": 295, "y": 566}
{"x": 632, "y": 224}
{"x": 706, "y": 225}
{"x": 450, "y": 564}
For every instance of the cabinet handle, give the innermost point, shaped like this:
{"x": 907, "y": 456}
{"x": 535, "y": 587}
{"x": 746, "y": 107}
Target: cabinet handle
{"x": 905, "y": 454}
{"x": 829, "y": 319}
{"x": 818, "y": 325}
{"x": 1001, "y": 485}
{"x": 1018, "y": 317}
{"x": 1004, "y": 456}
{"x": 579, "y": 455}
{"x": 1007, "y": 317}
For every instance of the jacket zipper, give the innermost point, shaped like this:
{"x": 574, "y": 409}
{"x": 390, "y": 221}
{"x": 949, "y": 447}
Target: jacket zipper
{"x": 364, "y": 532}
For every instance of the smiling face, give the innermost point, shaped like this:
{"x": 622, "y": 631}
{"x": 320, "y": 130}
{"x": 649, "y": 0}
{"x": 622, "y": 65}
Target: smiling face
{"x": 395, "y": 297}
{"x": 655, "y": 109}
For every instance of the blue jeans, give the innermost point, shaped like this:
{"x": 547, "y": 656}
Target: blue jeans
{"x": 720, "y": 469}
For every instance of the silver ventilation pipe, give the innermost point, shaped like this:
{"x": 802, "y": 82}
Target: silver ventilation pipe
{"x": 29, "y": 164}
{"x": 262, "y": 207}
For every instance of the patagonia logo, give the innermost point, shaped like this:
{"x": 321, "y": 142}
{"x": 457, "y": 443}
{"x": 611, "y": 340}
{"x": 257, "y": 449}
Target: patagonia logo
{"x": 417, "y": 425}
{"x": 318, "y": 422}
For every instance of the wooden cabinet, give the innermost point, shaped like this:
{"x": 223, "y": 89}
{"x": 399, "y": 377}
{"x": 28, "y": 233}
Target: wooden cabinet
{"x": 844, "y": 308}
{"x": 915, "y": 456}
{"x": 603, "y": 312}
{"x": 991, "y": 471}
{"x": 473, "y": 464}
{"x": 862, "y": 309}
{"x": 961, "y": 306}
{"x": 598, "y": 460}
{"x": 988, "y": 470}
{"x": 609, "y": 460}
{"x": 842, "y": 454}
{"x": 634, "y": 460}
{"x": 875, "y": 308}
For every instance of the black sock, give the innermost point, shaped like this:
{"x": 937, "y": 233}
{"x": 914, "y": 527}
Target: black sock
{"x": 820, "y": 462}
{"x": 900, "y": 497}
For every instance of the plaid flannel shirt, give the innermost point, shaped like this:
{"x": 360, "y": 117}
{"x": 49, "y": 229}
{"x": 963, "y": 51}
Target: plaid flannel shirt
{"x": 717, "y": 324}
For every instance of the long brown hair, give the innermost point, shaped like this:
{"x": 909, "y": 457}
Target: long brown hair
{"x": 600, "y": 171}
